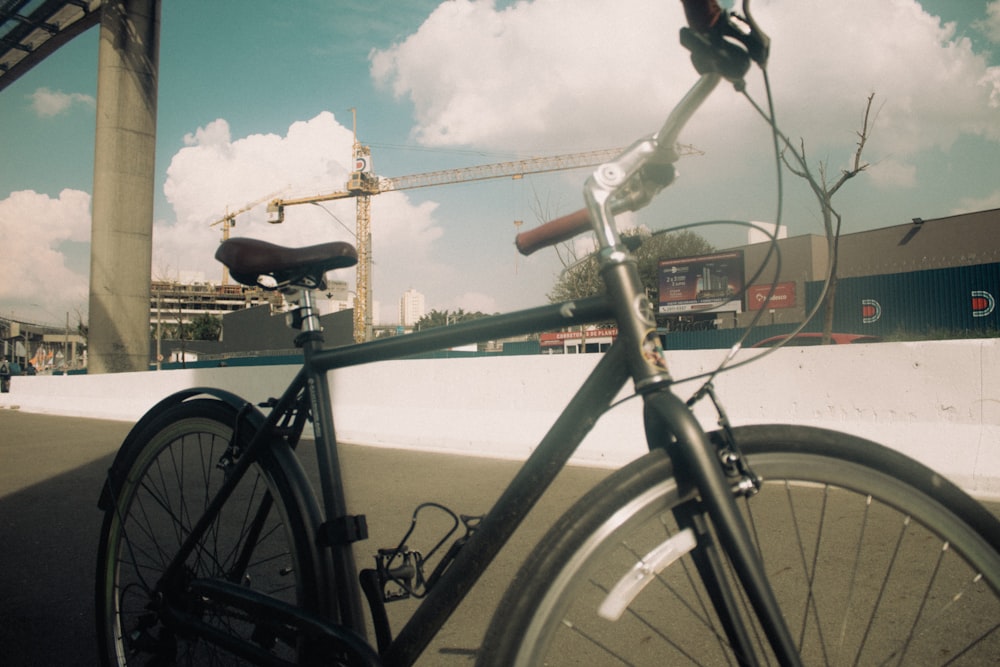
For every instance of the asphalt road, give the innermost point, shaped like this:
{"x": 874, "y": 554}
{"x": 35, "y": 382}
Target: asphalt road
{"x": 52, "y": 469}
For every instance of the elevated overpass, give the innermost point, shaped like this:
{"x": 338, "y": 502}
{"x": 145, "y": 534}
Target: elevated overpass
{"x": 30, "y": 31}
{"x": 125, "y": 140}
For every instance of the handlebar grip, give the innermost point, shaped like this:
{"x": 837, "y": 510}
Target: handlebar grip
{"x": 553, "y": 232}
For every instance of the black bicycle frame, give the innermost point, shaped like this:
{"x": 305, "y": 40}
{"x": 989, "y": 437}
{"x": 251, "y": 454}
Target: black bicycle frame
{"x": 670, "y": 424}
{"x": 535, "y": 476}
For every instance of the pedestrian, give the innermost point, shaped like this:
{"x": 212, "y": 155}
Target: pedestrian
{"x": 4, "y": 375}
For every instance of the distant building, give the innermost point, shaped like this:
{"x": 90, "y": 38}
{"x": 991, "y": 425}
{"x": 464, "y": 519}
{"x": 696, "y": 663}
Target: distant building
{"x": 174, "y": 302}
{"x": 248, "y": 335}
{"x": 411, "y": 307}
{"x": 941, "y": 273}
{"x": 338, "y": 298}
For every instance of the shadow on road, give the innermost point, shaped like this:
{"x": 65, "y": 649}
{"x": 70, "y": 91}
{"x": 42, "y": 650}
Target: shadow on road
{"x": 52, "y": 472}
{"x": 50, "y": 533}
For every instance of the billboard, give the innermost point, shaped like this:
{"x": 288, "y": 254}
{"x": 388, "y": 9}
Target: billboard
{"x": 705, "y": 283}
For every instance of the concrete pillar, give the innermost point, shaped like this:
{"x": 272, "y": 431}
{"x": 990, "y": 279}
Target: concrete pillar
{"x": 122, "y": 227}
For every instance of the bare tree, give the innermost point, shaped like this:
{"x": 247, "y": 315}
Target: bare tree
{"x": 824, "y": 191}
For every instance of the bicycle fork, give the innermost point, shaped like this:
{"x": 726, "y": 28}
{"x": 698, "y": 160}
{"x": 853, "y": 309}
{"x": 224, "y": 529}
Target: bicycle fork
{"x": 695, "y": 462}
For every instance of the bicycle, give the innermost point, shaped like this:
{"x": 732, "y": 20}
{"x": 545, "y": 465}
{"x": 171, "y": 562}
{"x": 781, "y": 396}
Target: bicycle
{"x": 747, "y": 544}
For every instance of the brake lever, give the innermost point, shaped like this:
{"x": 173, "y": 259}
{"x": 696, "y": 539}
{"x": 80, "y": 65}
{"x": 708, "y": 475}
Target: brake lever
{"x": 711, "y": 52}
{"x": 757, "y": 43}
{"x": 729, "y": 47}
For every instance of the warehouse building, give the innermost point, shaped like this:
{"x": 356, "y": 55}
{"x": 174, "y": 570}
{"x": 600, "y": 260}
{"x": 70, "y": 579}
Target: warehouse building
{"x": 927, "y": 275}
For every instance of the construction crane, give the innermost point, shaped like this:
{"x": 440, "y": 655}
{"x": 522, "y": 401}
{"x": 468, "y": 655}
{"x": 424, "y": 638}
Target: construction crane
{"x": 363, "y": 184}
{"x": 228, "y": 221}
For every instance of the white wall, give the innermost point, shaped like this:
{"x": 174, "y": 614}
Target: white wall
{"x": 938, "y": 402}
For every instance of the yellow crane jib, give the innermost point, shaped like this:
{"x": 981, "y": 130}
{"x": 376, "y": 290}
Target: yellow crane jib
{"x": 362, "y": 184}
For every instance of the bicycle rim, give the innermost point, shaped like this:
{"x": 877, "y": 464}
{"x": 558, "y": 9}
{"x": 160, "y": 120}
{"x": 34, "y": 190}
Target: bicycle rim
{"x": 173, "y": 477}
{"x": 868, "y": 569}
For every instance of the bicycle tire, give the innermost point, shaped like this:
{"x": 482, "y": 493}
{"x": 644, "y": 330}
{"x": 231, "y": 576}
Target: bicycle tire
{"x": 171, "y": 473}
{"x": 894, "y": 565}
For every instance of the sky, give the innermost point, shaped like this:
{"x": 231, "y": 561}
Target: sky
{"x": 255, "y": 98}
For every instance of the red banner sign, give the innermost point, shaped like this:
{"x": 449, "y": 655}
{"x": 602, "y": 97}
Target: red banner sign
{"x": 783, "y": 297}
{"x": 576, "y": 335}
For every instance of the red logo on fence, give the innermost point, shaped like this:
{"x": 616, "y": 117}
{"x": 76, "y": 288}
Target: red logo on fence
{"x": 871, "y": 311}
{"x": 983, "y": 303}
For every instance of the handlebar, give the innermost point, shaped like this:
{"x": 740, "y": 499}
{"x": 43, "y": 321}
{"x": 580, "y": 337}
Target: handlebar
{"x": 646, "y": 167}
{"x": 625, "y": 184}
{"x": 553, "y": 232}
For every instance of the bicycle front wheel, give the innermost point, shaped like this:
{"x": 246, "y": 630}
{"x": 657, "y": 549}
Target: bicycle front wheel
{"x": 874, "y": 560}
{"x": 257, "y": 545}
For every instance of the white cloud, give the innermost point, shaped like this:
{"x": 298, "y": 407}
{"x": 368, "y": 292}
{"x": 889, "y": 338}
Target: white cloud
{"x": 554, "y": 76}
{"x": 40, "y": 227}
{"x": 892, "y": 173}
{"x": 475, "y": 302}
{"x": 48, "y": 103}
{"x": 971, "y": 204}
{"x": 590, "y": 73}
{"x": 550, "y": 71}
{"x": 215, "y": 174}
{"x": 990, "y": 26}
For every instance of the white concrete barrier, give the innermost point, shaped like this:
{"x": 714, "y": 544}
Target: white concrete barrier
{"x": 938, "y": 402}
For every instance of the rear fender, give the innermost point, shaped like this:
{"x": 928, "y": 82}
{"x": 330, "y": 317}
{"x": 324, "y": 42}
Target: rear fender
{"x": 253, "y": 416}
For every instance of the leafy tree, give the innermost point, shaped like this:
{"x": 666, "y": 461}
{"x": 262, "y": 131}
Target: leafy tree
{"x": 82, "y": 327}
{"x": 581, "y": 277}
{"x": 441, "y": 318}
{"x": 204, "y": 327}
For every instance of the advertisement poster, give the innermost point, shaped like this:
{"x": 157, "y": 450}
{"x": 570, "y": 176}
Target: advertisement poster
{"x": 697, "y": 284}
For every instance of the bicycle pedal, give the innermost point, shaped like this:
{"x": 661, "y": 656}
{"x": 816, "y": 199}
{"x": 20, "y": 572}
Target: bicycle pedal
{"x": 400, "y": 581}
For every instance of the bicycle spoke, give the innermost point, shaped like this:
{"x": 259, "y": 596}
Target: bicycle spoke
{"x": 604, "y": 649}
{"x": 859, "y": 581}
{"x": 642, "y": 619}
{"x": 248, "y": 543}
{"x": 852, "y": 588}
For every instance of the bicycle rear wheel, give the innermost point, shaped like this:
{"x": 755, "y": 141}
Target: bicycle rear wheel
{"x": 874, "y": 559}
{"x": 259, "y": 543}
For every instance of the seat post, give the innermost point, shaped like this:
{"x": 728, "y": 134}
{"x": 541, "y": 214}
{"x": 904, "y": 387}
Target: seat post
{"x": 305, "y": 316}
